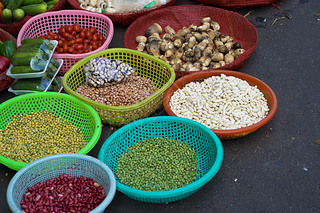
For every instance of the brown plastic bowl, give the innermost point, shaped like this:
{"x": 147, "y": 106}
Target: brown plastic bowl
{"x": 232, "y": 133}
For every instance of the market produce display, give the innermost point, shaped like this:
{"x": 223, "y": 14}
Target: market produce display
{"x": 157, "y": 164}
{"x": 233, "y": 104}
{"x": 115, "y": 83}
{"x": 220, "y": 102}
{"x": 65, "y": 182}
{"x": 157, "y": 71}
{"x": 103, "y": 72}
{"x": 63, "y": 194}
{"x": 191, "y": 48}
{"x": 159, "y": 159}
{"x": 16, "y": 10}
{"x": 32, "y": 136}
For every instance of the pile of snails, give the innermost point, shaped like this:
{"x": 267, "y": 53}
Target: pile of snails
{"x": 192, "y": 48}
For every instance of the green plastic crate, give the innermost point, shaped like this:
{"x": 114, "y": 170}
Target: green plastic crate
{"x": 160, "y": 73}
{"x": 80, "y": 114}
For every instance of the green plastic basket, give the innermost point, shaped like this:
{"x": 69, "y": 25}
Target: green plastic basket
{"x": 160, "y": 73}
{"x": 80, "y": 114}
{"x": 207, "y": 145}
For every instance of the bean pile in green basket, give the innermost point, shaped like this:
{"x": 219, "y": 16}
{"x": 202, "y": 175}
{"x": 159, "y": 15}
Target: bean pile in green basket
{"x": 157, "y": 164}
{"x": 38, "y": 134}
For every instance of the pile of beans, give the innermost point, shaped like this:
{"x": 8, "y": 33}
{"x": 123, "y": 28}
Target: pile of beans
{"x": 63, "y": 194}
{"x": 133, "y": 89}
{"x": 158, "y": 164}
{"x": 39, "y": 134}
{"x": 220, "y": 102}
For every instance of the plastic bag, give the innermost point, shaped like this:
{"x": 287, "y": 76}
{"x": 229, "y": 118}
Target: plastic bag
{"x": 131, "y": 6}
{"x": 102, "y": 71}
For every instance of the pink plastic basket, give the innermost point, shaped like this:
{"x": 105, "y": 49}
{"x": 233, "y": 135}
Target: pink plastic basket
{"x": 52, "y": 21}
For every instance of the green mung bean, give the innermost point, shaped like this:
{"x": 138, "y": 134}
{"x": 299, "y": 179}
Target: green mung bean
{"x": 38, "y": 134}
{"x": 158, "y": 164}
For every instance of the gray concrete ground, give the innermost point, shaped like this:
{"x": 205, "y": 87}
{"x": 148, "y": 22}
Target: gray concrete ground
{"x": 275, "y": 169}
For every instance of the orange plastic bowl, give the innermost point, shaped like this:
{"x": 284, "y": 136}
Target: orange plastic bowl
{"x": 230, "y": 133}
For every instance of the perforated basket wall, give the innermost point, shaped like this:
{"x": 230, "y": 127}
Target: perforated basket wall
{"x": 160, "y": 73}
{"x": 80, "y": 114}
{"x": 52, "y": 21}
{"x": 236, "y": 4}
{"x": 124, "y": 18}
{"x": 75, "y": 165}
{"x": 231, "y": 23}
{"x": 199, "y": 137}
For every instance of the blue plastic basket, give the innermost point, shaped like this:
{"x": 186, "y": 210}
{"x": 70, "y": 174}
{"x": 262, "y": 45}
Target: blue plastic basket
{"x": 75, "y": 165}
{"x": 201, "y": 138}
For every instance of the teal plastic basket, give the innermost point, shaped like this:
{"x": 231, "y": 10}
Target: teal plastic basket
{"x": 207, "y": 145}
{"x": 75, "y": 165}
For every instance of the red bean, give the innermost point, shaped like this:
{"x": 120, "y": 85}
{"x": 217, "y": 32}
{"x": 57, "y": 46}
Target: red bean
{"x": 63, "y": 194}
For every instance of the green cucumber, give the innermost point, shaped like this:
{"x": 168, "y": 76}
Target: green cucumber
{"x": 29, "y": 2}
{"x": 18, "y": 14}
{"x": 6, "y": 16}
{"x": 22, "y": 70}
{"x": 33, "y": 47}
{"x": 33, "y": 40}
{"x": 32, "y": 84}
{"x": 38, "y": 64}
{"x": 52, "y": 2}
{"x": 14, "y": 4}
{"x": 50, "y": 6}
{"x": 38, "y": 54}
{"x": 34, "y": 9}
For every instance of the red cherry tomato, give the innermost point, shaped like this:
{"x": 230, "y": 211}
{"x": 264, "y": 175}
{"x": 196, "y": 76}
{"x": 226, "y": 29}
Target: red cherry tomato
{"x": 62, "y": 30}
{"x": 79, "y": 47}
{"x": 71, "y": 50}
{"x": 71, "y": 43}
{"x": 100, "y": 37}
{"x": 76, "y": 27}
{"x": 99, "y": 43}
{"x": 69, "y": 28}
{"x": 92, "y": 30}
{"x": 65, "y": 47}
{"x": 60, "y": 43}
{"x": 55, "y": 37}
{"x": 42, "y": 36}
{"x": 68, "y": 36}
{"x": 95, "y": 37}
{"x": 82, "y": 34}
{"x": 78, "y": 40}
{"x": 60, "y": 50}
{"x": 89, "y": 35}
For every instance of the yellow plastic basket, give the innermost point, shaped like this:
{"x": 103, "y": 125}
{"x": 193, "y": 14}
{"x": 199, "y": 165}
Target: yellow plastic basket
{"x": 160, "y": 73}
